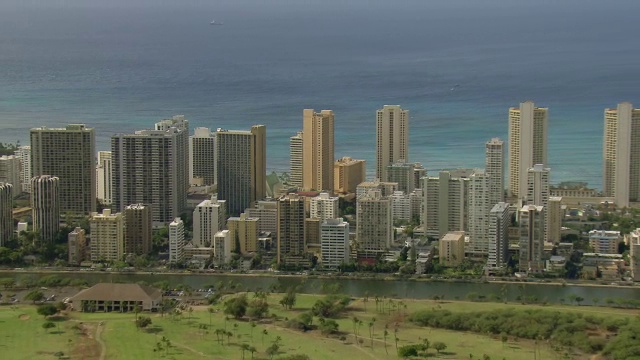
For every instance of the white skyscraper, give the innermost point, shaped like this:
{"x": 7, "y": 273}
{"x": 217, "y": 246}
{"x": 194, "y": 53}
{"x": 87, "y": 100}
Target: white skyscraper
{"x": 222, "y": 247}
{"x": 527, "y": 144}
{"x": 402, "y": 206}
{"x": 295, "y": 160}
{"x": 208, "y": 219}
{"x": 324, "y": 206}
{"x": 10, "y": 172}
{"x": 202, "y": 157}
{"x": 266, "y": 211}
{"x": 103, "y": 176}
{"x": 538, "y": 189}
{"x": 621, "y": 154}
{"x": 24, "y": 153}
{"x": 494, "y": 169}
{"x": 446, "y": 206}
{"x": 479, "y": 210}
{"x": 176, "y": 241}
{"x": 392, "y": 138}
{"x": 499, "y": 221}
{"x": 45, "y": 206}
{"x": 334, "y": 242}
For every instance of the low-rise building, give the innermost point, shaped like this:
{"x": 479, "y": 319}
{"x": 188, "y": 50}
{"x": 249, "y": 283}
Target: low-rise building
{"x": 451, "y": 248}
{"x": 604, "y": 242}
{"x": 105, "y": 297}
{"x": 77, "y": 246}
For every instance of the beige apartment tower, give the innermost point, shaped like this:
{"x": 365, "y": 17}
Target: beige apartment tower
{"x": 621, "y": 154}
{"x": 45, "y": 206}
{"x": 494, "y": 169}
{"x": 317, "y": 150}
{"x": 374, "y": 224}
{"x": 241, "y": 167}
{"x": 77, "y": 246}
{"x": 107, "y": 236}
{"x": 291, "y": 216}
{"x": 138, "y": 225}
{"x": 6, "y": 213}
{"x": 202, "y": 157}
{"x": 451, "y": 248}
{"x": 104, "y": 173}
{"x": 295, "y": 160}
{"x": 392, "y": 138}
{"x": 527, "y": 144}
{"x": 347, "y": 174}
{"x": 69, "y": 154}
{"x": 244, "y": 231}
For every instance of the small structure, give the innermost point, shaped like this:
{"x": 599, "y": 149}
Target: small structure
{"x": 117, "y": 297}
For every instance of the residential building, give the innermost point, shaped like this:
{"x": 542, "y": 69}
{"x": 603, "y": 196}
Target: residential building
{"x": 621, "y": 154}
{"x": 347, "y": 174}
{"x": 222, "y": 246}
{"x": 295, "y": 160}
{"x": 402, "y": 206}
{"x": 633, "y": 241}
{"x": 451, "y": 248}
{"x": 209, "y": 217}
{"x": 202, "y": 157}
{"x": 244, "y": 232}
{"x": 527, "y": 144}
{"x": 384, "y": 188}
{"x": 138, "y": 233}
{"x": 176, "y": 241}
{"x": 402, "y": 173}
{"x": 479, "y": 207}
{"x": 324, "y": 206}
{"x": 77, "y": 246}
{"x": 494, "y": 169}
{"x": 334, "y": 243}
{"x": 574, "y": 189}
{"x": 317, "y": 150}
{"x": 555, "y": 215}
{"x": 104, "y": 175}
{"x": 266, "y": 211}
{"x": 24, "y": 154}
{"x": 538, "y": 190}
{"x": 312, "y": 234}
{"x": 241, "y": 167}
{"x": 45, "y": 206}
{"x": 10, "y": 166}
{"x": 418, "y": 173}
{"x": 68, "y": 154}
{"x": 604, "y": 242}
{"x": 392, "y": 138}
{"x": 531, "y": 238}
{"x": 107, "y": 236}
{"x": 499, "y": 222}
{"x": 374, "y": 224}
{"x": 6, "y": 213}
{"x": 445, "y": 202}
{"x": 291, "y": 216}
{"x": 151, "y": 167}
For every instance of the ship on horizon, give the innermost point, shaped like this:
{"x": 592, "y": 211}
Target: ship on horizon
{"x": 213, "y": 22}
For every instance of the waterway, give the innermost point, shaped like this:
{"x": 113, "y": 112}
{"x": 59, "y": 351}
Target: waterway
{"x": 397, "y": 288}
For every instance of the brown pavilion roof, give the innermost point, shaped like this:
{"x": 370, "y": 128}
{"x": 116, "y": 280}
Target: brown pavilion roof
{"x": 118, "y": 292}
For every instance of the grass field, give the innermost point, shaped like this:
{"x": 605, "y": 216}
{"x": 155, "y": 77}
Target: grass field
{"x": 114, "y": 335}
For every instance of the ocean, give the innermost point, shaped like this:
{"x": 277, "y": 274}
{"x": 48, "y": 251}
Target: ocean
{"x": 119, "y": 66}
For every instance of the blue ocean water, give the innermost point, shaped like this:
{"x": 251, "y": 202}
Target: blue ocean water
{"x": 121, "y": 65}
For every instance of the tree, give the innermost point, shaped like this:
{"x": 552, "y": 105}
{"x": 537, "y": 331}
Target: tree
{"x": 439, "y": 346}
{"x": 244, "y": 347}
{"x": 211, "y": 310}
{"x": 258, "y": 308}
{"x": 35, "y": 296}
{"x": 236, "y": 307}
{"x": 288, "y": 300}
{"x": 328, "y": 327}
{"x": 273, "y": 350}
{"x": 142, "y": 322}
{"x": 386, "y": 333}
{"x": 47, "y": 310}
{"x": 48, "y": 325}
{"x": 407, "y": 351}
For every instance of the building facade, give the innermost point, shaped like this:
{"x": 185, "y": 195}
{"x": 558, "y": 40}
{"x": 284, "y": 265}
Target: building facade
{"x": 317, "y": 150}
{"x": 499, "y": 222}
{"x": 107, "y": 236}
{"x": 604, "y": 242}
{"x": 479, "y": 212}
{"x": 138, "y": 229}
{"x": 374, "y": 224}
{"x": 209, "y": 217}
{"x": 6, "y": 213}
{"x": 392, "y": 138}
{"x": 494, "y": 168}
{"x": 45, "y": 206}
{"x": 334, "y": 243}
{"x": 104, "y": 173}
{"x": 24, "y": 154}
{"x": 324, "y": 206}
{"x": 244, "y": 232}
{"x": 402, "y": 173}
{"x": 222, "y": 246}
{"x": 531, "y": 238}
{"x": 295, "y": 160}
{"x": 10, "y": 171}
{"x": 176, "y": 241}
{"x": 241, "y": 167}
{"x": 527, "y": 144}
{"x": 291, "y": 216}
{"x": 446, "y": 202}
{"x": 555, "y": 215}
{"x": 68, "y": 154}
{"x": 347, "y": 174}
{"x": 451, "y": 248}
{"x": 202, "y": 157}
{"x": 77, "y": 246}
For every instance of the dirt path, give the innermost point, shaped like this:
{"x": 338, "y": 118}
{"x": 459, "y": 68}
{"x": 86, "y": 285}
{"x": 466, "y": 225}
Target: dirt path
{"x": 103, "y": 346}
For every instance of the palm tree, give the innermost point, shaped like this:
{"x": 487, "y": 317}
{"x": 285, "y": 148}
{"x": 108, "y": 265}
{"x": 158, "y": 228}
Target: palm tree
{"x": 211, "y": 310}
{"x": 355, "y": 321}
{"x": 371, "y": 332}
{"x": 253, "y": 325}
{"x": 244, "y": 347}
{"x": 386, "y": 333}
{"x": 264, "y": 332}
{"x": 252, "y": 349}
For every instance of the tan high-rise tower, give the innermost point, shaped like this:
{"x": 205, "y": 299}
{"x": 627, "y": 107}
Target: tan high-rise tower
{"x": 621, "y": 154}
{"x": 527, "y": 144}
{"x": 392, "y": 138}
{"x": 317, "y": 150}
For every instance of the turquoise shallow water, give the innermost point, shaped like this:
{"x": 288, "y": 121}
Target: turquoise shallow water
{"x": 122, "y": 65}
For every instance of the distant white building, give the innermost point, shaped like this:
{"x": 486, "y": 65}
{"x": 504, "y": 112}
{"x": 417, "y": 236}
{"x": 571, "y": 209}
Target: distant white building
{"x": 266, "y": 211}
{"x": 103, "y": 178}
{"x": 176, "y": 241}
{"x": 10, "y": 172}
{"x": 334, "y": 242}
{"x": 222, "y": 247}
{"x": 324, "y": 206}
{"x": 499, "y": 221}
{"x": 401, "y": 206}
{"x": 24, "y": 154}
{"x": 208, "y": 219}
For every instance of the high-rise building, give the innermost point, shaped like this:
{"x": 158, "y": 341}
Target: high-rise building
{"x": 633, "y": 240}
{"x": 68, "y": 154}
{"x": 222, "y": 245}
{"x": 266, "y": 211}
{"x": 6, "y": 213}
{"x": 24, "y": 154}
{"x": 347, "y": 174}
{"x": 176, "y": 241}
{"x": 150, "y": 167}
{"x": 295, "y": 160}
{"x": 402, "y": 206}
{"x": 374, "y": 224}
{"x": 334, "y": 243}
{"x": 451, "y": 248}
{"x": 384, "y": 188}
{"x": 538, "y": 190}
{"x": 243, "y": 231}
{"x": 45, "y": 206}
{"x": 392, "y": 138}
{"x": 138, "y": 233}
{"x": 402, "y": 173}
{"x": 104, "y": 173}
{"x": 531, "y": 238}
{"x": 241, "y": 167}
{"x": 479, "y": 210}
{"x": 419, "y": 172}
{"x": 202, "y": 157}
{"x": 555, "y": 214}
{"x": 527, "y": 144}
{"x": 324, "y": 206}
{"x": 107, "y": 236}
{"x": 494, "y": 169}
{"x": 291, "y": 215}
{"x": 621, "y": 154}
{"x": 499, "y": 221}
{"x": 10, "y": 166}
{"x": 446, "y": 205}
{"x": 209, "y": 217}
{"x": 77, "y": 246}
{"x": 317, "y": 150}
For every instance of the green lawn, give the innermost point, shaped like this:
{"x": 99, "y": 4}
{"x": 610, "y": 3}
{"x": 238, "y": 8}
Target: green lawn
{"x": 22, "y": 335}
